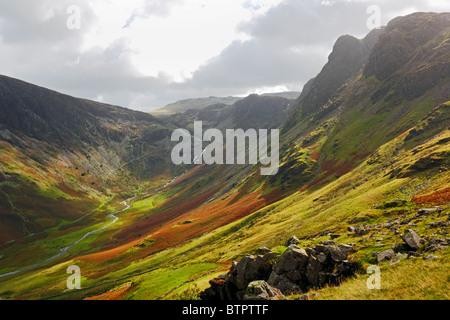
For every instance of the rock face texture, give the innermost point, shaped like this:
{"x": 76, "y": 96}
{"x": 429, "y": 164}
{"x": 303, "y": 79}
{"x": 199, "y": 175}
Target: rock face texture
{"x": 233, "y": 285}
{"x": 261, "y": 290}
{"x": 271, "y": 276}
{"x": 385, "y": 255}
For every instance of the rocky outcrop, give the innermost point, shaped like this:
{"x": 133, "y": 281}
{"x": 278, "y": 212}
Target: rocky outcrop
{"x": 294, "y": 272}
{"x": 290, "y": 270}
{"x": 233, "y": 285}
{"x": 269, "y": 276}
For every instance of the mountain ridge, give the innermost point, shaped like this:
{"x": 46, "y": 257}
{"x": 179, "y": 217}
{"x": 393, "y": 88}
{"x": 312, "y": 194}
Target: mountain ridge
{"x": 201, "y": 103}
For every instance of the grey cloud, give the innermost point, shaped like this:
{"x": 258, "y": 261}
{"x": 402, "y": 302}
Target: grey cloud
{"x": 258, "y": 63}
{"x": 24, "y": 21}
{"x": 308, "y": 22}
{"x": 287, "y": 46}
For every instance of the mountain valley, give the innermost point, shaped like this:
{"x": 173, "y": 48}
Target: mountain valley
{"x": 364, "y": 166}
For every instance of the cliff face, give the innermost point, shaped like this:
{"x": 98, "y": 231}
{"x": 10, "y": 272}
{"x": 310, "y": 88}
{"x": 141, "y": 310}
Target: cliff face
{"x": 349, "y": 55}
{"x": 410, "y": 39}
{"x": 412, "y": 56}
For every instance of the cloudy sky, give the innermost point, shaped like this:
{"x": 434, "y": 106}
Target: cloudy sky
{"x": 145, "y": 54}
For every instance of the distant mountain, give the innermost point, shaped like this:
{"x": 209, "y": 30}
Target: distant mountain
{"x": 201, "y": 103}
{"x": 290, "y": 95}
{"x": 254, "y": 111}
{"x": 193, "y": 104}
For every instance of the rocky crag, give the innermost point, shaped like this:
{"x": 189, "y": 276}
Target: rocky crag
{"x": 271, "y": 275}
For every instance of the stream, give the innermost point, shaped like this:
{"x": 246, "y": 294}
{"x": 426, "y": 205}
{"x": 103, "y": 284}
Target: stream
{"x": 65, "y": 249}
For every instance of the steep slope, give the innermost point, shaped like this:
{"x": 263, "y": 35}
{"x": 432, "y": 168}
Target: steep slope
{"x": 59, "y": 119}
{"x": 58, "y": 151}
{"x": 366, "y": 112}
{"x": 349, "y": 55}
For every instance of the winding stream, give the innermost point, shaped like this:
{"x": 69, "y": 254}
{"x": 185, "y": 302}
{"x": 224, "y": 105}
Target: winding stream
{"x": 65, "y": 249}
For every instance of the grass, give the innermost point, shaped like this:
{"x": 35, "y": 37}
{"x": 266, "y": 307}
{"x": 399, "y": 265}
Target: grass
{"x": 410, "y": 279}
{"x": 160, "y": 282}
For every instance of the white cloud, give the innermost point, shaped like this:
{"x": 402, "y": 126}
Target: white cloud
{"x": 147, "y": 53}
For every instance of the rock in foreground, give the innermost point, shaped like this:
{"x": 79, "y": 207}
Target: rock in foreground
{"x": 269, "y": 277}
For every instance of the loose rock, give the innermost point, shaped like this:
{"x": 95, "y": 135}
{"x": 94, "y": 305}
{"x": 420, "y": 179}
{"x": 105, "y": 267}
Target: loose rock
{"x": 412, "y": 239}
{"x": 292, "y": 240}
{"x": 397, "y": 258}
{"x": 385, "y": 255}
{"x": 261, "y": 290}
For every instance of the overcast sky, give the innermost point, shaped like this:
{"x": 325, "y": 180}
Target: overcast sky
{"x": 145, "y": 54}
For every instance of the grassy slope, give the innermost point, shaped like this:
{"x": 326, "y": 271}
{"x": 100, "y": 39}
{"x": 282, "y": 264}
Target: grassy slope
{"x": 305, "y": 213}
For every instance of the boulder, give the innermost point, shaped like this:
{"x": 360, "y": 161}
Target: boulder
{"x": 321, "y": 248}
{"x": 412, "y": 239}
{"x": 292, "y": 240}
{"x": 427, "y": 210}
{"x": 220, "y": 289}
{"x": 385, "y": 255}
{"x": 322, "y": 257}
{"x": 313, "y": 269}
{"x": 261, "y": 290}
{"x": 251, "y": 268}
{"x": 311, "y": 251}
{"x": 397, "y": 258}
{"x": 263, "y": 250}
{"x": 289, "y": 270}
{"x": 361, "y": 231}
{"x": 438, "y": 224}
{"x": 359, "y": 219}
{"x": 414, "y": 254}
{"x": 292, "y": 263}
{"x": 294, "y": 272}
{"x": 246, "y": 271}
{"x": 284, "y": 284}
{"x": 435, "y": 247}
{"x": 340, "y": 253}
{"x": 338, "y": 274}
